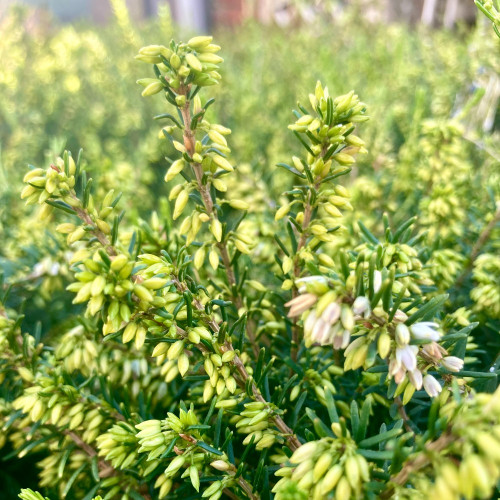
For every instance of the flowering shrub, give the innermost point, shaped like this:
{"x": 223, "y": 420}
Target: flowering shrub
{"x": 220, "y": 349}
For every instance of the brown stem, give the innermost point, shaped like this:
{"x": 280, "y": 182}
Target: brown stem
{"x": 308, "y": 209}
{"x": 420, "y": 461}
{"x": 230, "y": 494}
{"x": 105, "y": 468}
{"x": 103, "y": 239}
{"x": 403, "y": 414}
{"x": 245, "y": 486}
{"x": 476, "y": 249}
{"x": 204, "y": 190}
{"x": 292, "y": 440}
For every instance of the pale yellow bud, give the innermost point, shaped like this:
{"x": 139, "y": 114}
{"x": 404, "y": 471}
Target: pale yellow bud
{"x": 180, "y": 203}
{"x": 152, "y": 89}
{"x": 194, "y": 62}
{"x": 216, "y": 229}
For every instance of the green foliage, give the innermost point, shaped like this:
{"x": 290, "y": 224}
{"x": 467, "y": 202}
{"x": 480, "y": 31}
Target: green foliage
{"x": 324, "y": 329}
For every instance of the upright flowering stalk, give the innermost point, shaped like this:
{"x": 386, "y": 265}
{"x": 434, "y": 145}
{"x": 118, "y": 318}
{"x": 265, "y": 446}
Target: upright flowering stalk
{"x": 182, "y": 70}
{"x": 314, "y": 208}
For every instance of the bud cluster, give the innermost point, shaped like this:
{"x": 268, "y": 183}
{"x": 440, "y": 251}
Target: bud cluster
{"x": 329, "y": 466}
{"x": 330, "y": 318}
{"x": 182, "y": 435}
{"x": 486, "y": 294}
{"x": 473, "y": 435}
{"x": 255, "y": 422}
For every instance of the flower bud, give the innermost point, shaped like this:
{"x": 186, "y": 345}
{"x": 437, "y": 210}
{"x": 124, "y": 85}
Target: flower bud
{"x": 152, "y": 89}
{"x": 199, "y": 42}
{"x": 402, "y": 334}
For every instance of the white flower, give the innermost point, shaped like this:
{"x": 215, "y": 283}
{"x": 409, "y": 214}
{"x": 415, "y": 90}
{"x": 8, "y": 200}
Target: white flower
{"x": 415, "y": 377}
{"x": 402, "y": 335}
{"x": 432, "y": 386}
{"x": 321, "y": 332}
{"x": 377, "y": 280}
{"x": 309, "y": 323}
{"x": 407, "y": 356}
{"x": 331, "y": 314}
{"x": 341, "y": 339}
{"x": 452, "y": 363}
{"x": 361, "y": 306}
{"x": 425, "y": 330}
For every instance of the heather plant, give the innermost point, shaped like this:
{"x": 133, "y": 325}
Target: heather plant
{"x": 220, "y": 349}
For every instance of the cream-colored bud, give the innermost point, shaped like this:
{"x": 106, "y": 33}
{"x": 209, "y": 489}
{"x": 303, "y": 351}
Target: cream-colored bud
{"x": 180, "y": 204}
{"x": 199, "y": 257}
{"x": 239, "y": 204}
{"x": 216, "y": 229}
{"x": 175, "y": 350}
{"x": 213, "y": 258}
{"x": 331, "y": 478}
{"x": 174, "y": 169}
{"x": 322, "y": 465}
{"x": 194, "y": 62}
{"x": 304, "y": 452}
{"x": 183, "y": 364}
{"x": 281, "y": 212}
{"x": 220, "y": 185}
{"x": 222, "y": 163}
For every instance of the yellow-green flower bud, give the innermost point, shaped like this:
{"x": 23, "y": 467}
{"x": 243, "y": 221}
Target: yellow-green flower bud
{"x": 180, "y": 204}
{"x": 344, "y": 158}
{"x": 222, "y": 163}
{"x": 152, "y": 89}
{"x": 194, "y": 62}
{"x": 143, "y": 293}
{"x": 216, "y": 229}
{"x": 174, "y": 169}
{"x": 175, "y": 61}
{"x": 199, "y": 42}
{"x": 210, "y": 58}
{"x": 180, "y": 100}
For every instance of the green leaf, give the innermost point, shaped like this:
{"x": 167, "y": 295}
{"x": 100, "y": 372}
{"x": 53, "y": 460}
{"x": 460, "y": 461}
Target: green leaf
{"x": 61, "y": 206}
{"x": 428, "y": 311}
{"x": 363, "y": 419}
{"x": 72, "y": 479}
{"x": 379, "y": 438}
{"x": 209, "y": 448}
{"x": 367, "y": 234}
{"x": 330, "y": 406}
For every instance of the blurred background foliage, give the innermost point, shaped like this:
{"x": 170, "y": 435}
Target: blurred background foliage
{"x": 432, "y": 141}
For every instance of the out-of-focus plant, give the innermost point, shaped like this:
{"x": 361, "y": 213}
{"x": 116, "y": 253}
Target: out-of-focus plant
{"x": 217, "y": 350}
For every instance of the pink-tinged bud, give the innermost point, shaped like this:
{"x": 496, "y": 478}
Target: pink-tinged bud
{"x": 300, "y": 304}
{"x": 434, "y": 350}
{"x": 331, "y": 314}
{"x": 432, "y": 386}
{"x": 361, "y": 306}
{"x": 400, "y": 316}
{"x": 452, "y": 363}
